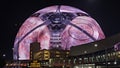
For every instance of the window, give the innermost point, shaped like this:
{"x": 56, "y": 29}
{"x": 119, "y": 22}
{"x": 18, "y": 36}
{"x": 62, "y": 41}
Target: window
{"x": 85, "y": 60}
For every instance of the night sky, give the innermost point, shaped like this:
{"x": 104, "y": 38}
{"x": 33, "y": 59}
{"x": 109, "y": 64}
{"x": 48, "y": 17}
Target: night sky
{"x": 14, "y": 13}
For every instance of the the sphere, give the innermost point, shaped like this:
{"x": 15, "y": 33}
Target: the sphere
{"x": 66, "y": 34}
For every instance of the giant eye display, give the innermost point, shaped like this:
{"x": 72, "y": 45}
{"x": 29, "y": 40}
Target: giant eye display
{"x": 57, "y": 26}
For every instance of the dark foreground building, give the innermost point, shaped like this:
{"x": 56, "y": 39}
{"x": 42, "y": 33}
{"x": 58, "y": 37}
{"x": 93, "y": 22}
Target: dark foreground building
{"x": 100, "y": 54}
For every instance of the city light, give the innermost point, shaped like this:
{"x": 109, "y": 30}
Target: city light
{"x": 76, "y": 66}
{"x": 85, "y": 52}
{"x": 108, "y": 62}
{"x": 96, "y": 45}
{"x": 89, "y": 67}
{"x": 115, "y": 62}
{"x": 4, "y": 55}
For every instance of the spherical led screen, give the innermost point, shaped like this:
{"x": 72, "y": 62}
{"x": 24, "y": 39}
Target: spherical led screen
{"x": 56, "y": 27}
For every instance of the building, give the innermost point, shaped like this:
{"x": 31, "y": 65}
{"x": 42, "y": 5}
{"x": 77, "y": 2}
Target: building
{"x": 52, "y": 57}
{"x": 100, "y": 54}
{"x": 104, "y": 53}
{"x": 34, "y": 48}
{"x": 95, "y": 46}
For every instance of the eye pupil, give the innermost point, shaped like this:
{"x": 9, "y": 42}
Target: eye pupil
{"x": 56, "y": 18}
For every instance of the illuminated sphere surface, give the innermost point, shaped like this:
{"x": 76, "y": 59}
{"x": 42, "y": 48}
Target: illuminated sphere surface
{"x": 56, "y": 34}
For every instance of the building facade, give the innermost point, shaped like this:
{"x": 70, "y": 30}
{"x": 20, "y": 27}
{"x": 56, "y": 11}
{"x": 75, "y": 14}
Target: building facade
{"x": 99, "y": 54}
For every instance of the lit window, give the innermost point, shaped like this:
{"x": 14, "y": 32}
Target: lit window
{"x": 57, "y": 55}
{"x": 109, "y": 54}
{"x": 113, "y": 53}
{"x": 7, "y": 64}
{"x": 67, "y": 52}
{"x": 57, "y": 52}
{"x": 118, "y": 52}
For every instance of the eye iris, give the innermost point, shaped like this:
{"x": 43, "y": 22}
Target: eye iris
{"x": 56, "y": 18}
{"x": 57, "y": 22}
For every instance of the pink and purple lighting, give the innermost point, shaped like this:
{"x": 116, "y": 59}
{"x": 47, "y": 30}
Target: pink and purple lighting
{"x": 81, "y": 30}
